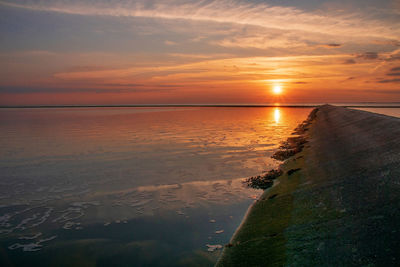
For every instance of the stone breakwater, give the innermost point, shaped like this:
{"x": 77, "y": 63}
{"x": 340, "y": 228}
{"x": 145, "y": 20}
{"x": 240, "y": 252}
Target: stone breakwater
{"x": 337, "y": 200}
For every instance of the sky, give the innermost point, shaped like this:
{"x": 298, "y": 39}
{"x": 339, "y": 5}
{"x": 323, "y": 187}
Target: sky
{"x": 70, "y": 52}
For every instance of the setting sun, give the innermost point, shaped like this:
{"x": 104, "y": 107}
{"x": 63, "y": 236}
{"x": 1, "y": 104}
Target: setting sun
{"x": 277, "y": 90}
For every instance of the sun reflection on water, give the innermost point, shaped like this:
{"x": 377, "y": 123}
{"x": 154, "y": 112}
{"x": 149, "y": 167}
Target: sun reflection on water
{"x": 277, "y": 115}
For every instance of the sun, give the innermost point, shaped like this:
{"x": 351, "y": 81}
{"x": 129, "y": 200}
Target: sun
{"x": 277, "y": 89}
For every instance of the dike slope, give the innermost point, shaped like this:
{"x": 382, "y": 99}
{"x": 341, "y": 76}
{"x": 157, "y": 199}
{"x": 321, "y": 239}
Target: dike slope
{"x": 337, "y": 203}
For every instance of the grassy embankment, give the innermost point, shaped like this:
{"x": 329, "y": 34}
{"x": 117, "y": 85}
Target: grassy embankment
{"x": 263, "y": 230}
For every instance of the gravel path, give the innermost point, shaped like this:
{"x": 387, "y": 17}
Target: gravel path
{"x": 352, "y": 196}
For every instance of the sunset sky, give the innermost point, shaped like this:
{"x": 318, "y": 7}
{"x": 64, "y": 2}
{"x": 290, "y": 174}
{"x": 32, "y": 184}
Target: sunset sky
{"x": 221, "y": 51}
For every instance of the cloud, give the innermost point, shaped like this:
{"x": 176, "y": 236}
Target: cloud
{"x": 373, "y": 91}
{"x": 140, "y": 85}
{"x": 168, "y": 42}
{"x": 246, "y": 28}
{"x": 349, "y": 61}
{"x": 332, "y": 45}
{"x": 394, "y": 74}
{"x": 396, "y": 5}
{"x": 86, "y": 68}
{"x": 50, "y": 90}
{"x": 395, "y": 69}
{"x": 353, "y": 24}
{"x": 208, "y": 71}
{"x": 393, "y": 57}
{"x": 368, "y": 55}
{"x": 390, "y": 81}
{"x": 348, "y": 79}
{"x": 123, "y": 84}
{"x": 300, "y": 82}
{"x": 387, "y": 42}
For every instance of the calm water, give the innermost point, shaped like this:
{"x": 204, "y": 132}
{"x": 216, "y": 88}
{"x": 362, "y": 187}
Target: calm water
{"x": 394, "y": 112}
{"x": 130, "y": 186}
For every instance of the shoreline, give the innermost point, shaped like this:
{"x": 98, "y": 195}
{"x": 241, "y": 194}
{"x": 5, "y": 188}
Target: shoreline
{"x": 251, "y": 219}
{"x": 328, "y": 212}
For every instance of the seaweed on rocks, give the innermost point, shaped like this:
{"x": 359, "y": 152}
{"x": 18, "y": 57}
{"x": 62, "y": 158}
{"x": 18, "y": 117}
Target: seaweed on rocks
{"x": 293, "y": 142}
{"x": 282, "y": 155}
{"x": 291, "y": 171}
{"x": 294, "y": 145}
{"x": 303, "y": 127}
{"x": 263, "y": 181}
{"x": 289, "y": 148}
{"x": 273, "y": 196}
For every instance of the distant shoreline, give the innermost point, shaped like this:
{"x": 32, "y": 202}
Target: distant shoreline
{"x": 356, "y": 105}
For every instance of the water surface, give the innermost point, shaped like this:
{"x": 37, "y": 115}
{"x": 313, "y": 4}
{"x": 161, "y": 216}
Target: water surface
{"x": 130, "y": 186}
{"x": 394, "y": 112}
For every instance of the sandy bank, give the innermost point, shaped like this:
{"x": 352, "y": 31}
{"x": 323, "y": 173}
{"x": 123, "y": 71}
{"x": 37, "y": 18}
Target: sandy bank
{"x": 342, "y": 207}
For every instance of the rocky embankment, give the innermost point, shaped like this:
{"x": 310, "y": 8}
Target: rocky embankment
{"x": 337, "y": 199}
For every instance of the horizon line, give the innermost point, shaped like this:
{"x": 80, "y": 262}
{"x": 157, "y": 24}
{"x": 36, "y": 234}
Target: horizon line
{"x": 300, "y": 105}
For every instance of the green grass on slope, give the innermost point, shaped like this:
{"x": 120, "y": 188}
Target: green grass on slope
{"x": 260, "y": 241}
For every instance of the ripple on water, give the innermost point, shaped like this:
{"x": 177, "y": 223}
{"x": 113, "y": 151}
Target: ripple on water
{"x": 31, "y": 247}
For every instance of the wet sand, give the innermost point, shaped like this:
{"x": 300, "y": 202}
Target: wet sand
{"x": 341, "y": 208}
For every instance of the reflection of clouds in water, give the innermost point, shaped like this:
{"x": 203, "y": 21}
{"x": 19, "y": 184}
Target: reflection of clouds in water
{"x": 32, "y": 246}
{"x": 127, "y": 204}
{"x": 185, "y": 195}
{"x": 34, "y": 236}
{"x": 24, "y": 221}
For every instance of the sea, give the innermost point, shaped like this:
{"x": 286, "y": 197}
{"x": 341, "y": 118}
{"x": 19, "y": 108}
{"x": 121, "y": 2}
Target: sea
{"x": 132, "y": 186}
